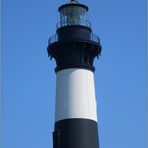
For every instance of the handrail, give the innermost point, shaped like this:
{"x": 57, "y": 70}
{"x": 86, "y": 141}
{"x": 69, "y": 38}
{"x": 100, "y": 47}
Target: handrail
{"x": 73, "y": 21}
{"x": 52, "y": 39}
{"x": 93, "y": 37}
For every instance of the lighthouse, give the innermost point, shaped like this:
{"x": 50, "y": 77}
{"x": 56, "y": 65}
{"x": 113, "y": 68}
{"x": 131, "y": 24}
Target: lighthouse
{"x": 74, "y": 48}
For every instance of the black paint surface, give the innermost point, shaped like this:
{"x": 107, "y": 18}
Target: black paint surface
{"x": 75, "y": 133}
{"x": 73, "y": 4}
{"x": 74, "y": 48}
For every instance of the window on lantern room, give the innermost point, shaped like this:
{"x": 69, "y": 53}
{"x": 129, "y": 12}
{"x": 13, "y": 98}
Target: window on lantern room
{"x": 73, "y": 15}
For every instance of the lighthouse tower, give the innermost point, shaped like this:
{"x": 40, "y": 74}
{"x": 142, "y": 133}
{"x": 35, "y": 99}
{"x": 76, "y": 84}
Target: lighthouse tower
{"x": 74, "y": 48}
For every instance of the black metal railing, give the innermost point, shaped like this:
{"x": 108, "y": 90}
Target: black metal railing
{"x": 93, "y": 37}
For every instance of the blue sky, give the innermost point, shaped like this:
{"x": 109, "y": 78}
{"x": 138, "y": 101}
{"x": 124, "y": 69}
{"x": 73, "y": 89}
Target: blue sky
{"x": 28, "y": 78}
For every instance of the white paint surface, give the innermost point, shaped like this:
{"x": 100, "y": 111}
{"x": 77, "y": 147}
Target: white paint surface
{"x": 75, "y": 95}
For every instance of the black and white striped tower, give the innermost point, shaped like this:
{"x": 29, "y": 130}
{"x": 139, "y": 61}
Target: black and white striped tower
{"x": 74, "y": 48}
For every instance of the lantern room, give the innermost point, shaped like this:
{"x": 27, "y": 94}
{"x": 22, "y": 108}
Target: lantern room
{"x": 73, "y": 13}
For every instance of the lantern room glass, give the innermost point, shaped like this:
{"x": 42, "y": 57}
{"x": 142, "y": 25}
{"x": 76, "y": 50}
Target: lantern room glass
{"x": 73, "y": 15}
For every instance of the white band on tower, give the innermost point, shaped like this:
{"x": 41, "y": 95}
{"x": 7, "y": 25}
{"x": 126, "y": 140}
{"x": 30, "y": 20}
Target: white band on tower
{"x": 75, "y": 95}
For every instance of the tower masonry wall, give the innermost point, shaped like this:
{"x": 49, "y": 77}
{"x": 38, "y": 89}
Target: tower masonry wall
{"x": 75, "y": 95}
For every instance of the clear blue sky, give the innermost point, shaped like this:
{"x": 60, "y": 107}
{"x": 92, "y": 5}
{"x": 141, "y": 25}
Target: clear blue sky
{"x": 28, "y": 78}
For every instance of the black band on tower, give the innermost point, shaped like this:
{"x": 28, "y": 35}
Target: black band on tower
{"x": 75, "y": 133}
